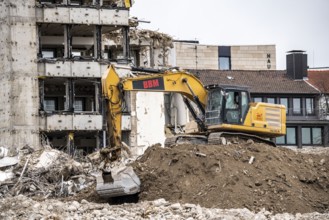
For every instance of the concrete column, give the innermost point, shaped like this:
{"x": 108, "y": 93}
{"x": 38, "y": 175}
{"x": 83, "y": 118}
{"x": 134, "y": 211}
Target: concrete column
{"x": 133, "y": 132}
{"x": 67, "y": 41}
{"x": 98, "y": 42}
{"x": 299, "y": 136}
{"x": 18, "y": 74}
{"x": 125, "y": 42}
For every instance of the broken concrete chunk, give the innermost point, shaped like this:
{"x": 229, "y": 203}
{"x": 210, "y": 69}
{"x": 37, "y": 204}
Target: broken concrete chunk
{"x": 47, "y": 158}
{"x": 8, "y": 161}
{"x": 6, "y": 175}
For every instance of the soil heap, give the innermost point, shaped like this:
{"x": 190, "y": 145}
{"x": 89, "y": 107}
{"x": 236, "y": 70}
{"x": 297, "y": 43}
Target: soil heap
{"x": 249, "y": 175}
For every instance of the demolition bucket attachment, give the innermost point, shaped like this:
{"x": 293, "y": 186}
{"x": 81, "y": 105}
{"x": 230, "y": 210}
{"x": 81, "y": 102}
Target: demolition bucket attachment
{"x": 120, "y": 181}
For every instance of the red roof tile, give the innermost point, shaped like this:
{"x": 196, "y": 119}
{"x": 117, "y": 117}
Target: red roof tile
{"x": 319, "y": 79}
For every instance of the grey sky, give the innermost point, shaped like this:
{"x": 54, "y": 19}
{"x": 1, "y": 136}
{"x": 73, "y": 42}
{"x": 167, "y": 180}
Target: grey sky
{"x": 289, "y": 24}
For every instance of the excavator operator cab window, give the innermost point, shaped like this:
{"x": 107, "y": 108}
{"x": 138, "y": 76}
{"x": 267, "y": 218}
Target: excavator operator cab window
{"x": 232, "y": 111}
{"x": 214, "y": 106}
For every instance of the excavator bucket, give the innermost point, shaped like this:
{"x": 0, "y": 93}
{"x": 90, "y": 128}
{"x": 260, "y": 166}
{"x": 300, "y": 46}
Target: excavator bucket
{"x": 120, "y": 181}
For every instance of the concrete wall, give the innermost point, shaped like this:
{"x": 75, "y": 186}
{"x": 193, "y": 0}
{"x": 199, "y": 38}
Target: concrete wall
{"x": 150, "y": 120}
{"x": 19, "y": 85}
{"x": 195, "y": 56}
{"x": 253, "y": 57}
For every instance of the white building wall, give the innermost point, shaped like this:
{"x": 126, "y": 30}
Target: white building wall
{"x": 150, "y": 120}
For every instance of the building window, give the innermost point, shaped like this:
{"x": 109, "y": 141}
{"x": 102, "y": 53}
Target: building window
{"x": 271, "y": 100}
{"x": 296, "y": 106}
{"x": 306, "y": 136}
{"x": 49, "y": 104}
{"x": 284, "y": 101}
{"x": 224, "y": 63}
{"x": 258, "y": 99}
{"x": 317, "y": 135}
{"x": 224, "y": 57}
{"x": 289, "y": 138}
{"x": 309, "y": 106}
{"x": 79, "y": 105}
{"x": 48, "y": 54}
{"x": 311, "y": 136}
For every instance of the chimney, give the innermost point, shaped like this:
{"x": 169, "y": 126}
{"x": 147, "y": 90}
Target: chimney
{"x": 296, "y": 64}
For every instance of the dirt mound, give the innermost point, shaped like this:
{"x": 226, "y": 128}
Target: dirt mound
{"x": 252, "y": 175}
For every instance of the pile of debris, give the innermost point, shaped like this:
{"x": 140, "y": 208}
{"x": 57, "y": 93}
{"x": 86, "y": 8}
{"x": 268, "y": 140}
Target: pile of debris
{"x": 43, "y": 173}
{"x": 240, "y": 175}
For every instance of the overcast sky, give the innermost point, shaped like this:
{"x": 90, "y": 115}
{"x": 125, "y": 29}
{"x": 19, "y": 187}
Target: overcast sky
{"x": 289, "y": 24}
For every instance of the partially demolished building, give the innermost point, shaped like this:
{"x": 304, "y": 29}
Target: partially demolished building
{"x": 52, "y": 59}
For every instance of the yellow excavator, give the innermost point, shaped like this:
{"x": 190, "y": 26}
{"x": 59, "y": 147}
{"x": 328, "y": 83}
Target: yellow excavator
{"x": 222, "y": 111}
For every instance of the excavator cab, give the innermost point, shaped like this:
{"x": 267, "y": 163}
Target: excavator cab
{"x": 226, "y": 104}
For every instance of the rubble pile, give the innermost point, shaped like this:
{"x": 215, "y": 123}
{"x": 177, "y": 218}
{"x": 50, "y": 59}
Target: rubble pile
{"x": 22, "y": 207}
{"x": 45, "y": 173}
{"x": 249, "y": 175}
{"x": 242, "y": 180}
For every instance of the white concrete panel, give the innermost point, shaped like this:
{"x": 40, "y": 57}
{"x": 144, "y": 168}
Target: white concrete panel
{"x": 87, "y": 122}
{"x": 86, "y": 69}
{"x": 150, "y": 119}
{"x": 59, "y": 122}
{"x": 61, "y": 69}
{"x": 114, "y": 17}
{"x": 54, "y": 15}
{"x": 84, "y": 15}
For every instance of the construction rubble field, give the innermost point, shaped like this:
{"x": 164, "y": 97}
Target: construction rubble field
{"x": 241, "y": 180}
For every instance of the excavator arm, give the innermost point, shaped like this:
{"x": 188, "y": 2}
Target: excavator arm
{"x": 120, "y": 179}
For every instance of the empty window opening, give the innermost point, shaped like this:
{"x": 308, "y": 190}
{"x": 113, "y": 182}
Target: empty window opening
{"x": 53, "y": 95}
{"x": 83, "y": 142}
{"x": 86, "y": 96}
{"x": 69, "y": 95}
{"x": 51, "y": 41}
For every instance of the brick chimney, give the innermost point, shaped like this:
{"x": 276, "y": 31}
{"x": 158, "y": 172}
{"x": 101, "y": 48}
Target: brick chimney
{"x": 296, "y": 64}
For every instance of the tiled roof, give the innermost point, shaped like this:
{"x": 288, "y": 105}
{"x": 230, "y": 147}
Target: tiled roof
{"x": 272, "y": 81}
{"x": 319, "y": 79}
